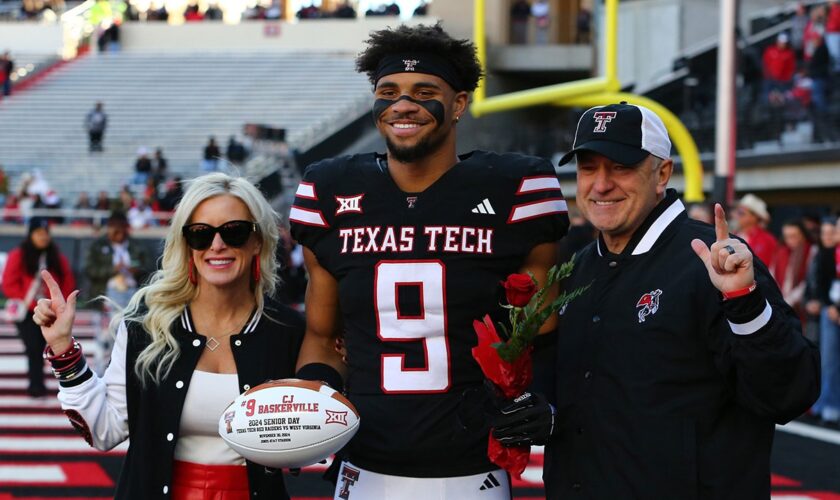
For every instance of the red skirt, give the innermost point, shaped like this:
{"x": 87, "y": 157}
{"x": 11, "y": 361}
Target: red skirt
{"x": 209, "y": 482}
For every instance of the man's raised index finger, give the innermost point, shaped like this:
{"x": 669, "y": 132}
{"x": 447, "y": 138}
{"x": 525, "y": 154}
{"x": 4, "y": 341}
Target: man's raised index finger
{"x": 55, "y": 291}
{"x": 721, "y": 226}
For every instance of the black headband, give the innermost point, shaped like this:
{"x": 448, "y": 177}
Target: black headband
{"x": 419, "y": 62}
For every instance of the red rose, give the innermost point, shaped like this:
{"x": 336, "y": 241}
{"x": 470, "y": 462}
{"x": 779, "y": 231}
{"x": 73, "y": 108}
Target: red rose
{"x": 519, "y": 288}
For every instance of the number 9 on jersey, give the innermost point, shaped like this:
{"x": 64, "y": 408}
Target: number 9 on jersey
{"x": 428, "y": 326}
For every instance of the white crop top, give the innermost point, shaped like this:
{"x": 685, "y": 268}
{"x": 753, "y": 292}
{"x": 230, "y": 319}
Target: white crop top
{"x": 199, "y": 442}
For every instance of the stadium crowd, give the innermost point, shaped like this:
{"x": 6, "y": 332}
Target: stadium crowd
{"x": 799, "y": 68}
{"x": 522, "y": 12}
{"x": 146, "y": 204}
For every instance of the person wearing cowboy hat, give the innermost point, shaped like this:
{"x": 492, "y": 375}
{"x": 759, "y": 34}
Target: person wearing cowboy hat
{"x": 751, "y": 216}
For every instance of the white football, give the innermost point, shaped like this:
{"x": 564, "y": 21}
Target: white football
{"x": 288, "y": 423}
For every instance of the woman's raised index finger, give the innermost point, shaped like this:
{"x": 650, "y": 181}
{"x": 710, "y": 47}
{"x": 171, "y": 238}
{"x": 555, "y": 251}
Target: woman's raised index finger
{"x": 55, "y": 291}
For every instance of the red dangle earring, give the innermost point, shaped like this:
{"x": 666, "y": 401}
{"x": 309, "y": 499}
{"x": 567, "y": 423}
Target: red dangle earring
{"x": 191, "y": 266}
{"x": 255, "y": 269}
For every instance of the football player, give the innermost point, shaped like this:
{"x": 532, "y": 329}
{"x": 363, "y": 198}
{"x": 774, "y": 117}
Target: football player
{"x": 404, "y": 250}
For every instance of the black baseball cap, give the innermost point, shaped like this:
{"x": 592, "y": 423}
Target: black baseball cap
{"x": 624, "y": 133}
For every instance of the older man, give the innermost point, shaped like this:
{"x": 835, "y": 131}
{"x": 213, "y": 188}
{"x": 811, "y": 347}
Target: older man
{"x": 674, "y": 366}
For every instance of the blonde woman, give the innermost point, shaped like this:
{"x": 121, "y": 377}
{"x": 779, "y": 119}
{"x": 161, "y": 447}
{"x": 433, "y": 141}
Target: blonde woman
{"x": 200, "y": 333}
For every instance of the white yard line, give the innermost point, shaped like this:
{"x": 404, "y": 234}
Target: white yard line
{"x": 811, "y": 431}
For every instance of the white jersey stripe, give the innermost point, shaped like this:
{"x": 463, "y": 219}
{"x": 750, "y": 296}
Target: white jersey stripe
{"x": 537, "y": 209}
{"x": 308, "y": 217}
{"x": 535, "y": 184}
{"x": 306, "y": 190}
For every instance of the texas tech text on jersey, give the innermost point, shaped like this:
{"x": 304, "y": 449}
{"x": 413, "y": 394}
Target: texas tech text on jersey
{"x": 451, "y": 239}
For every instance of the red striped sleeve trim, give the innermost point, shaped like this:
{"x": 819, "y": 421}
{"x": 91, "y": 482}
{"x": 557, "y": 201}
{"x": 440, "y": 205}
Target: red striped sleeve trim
{"x": 538, "y": 184}
{"x": 542, "y": 208}
{"x": 307, "y": 217}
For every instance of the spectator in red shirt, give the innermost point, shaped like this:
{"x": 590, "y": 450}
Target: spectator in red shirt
{"x": 815, "y": 28}
{"x": 193, "y": 14}
{"x": 790, "y": 264}
{"x": 779, "y": 66}
{"x": 750, "y": 216}
{"x": 832, "y": 33}
{"x": 22, "y": 282}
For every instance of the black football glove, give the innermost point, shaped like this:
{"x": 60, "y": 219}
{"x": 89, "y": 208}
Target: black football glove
{"x": 525, "y": 421}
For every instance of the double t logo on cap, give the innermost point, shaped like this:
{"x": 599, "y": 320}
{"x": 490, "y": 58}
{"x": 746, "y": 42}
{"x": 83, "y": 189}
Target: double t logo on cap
{"x": 602, "y": 118}
{"x": 624, "y": 133}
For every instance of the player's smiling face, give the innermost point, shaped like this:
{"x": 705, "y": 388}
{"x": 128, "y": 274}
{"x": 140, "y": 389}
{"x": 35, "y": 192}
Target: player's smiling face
{"x": 222, "y": 265}
{"x": 420, "y": 115}
{"x": 617, "y": 198}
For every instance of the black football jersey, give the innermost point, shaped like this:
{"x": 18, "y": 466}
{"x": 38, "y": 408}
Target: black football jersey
{"x": 414, "y": 270}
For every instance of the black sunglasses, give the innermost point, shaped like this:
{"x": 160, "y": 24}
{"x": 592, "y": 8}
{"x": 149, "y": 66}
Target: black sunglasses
{"x": 234, "y": 233}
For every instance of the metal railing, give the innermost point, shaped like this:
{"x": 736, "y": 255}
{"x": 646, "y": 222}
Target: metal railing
{"x": 71, "y": 216}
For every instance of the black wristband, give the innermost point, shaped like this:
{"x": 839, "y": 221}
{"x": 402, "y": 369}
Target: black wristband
{"x": 77, "y": 381}
{"x": 321, "y": 372}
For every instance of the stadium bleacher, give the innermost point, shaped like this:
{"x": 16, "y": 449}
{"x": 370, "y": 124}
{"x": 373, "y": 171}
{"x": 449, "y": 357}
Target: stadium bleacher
{"x": 310, "y": 94}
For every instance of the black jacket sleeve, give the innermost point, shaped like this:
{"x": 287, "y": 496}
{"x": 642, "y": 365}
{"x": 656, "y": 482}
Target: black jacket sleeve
{"x": 776, "y": 369}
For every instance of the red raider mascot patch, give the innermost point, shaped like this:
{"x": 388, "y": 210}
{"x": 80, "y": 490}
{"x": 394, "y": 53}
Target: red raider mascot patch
{"x": 649, "y": 304}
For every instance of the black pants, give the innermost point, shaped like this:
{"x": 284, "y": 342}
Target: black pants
{"x": 96, "y": 140}
{"x": 34, "y": 343}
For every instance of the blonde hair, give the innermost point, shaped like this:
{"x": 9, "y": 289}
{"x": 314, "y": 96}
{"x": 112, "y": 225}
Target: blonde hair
{"x": 159, "y": 304}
